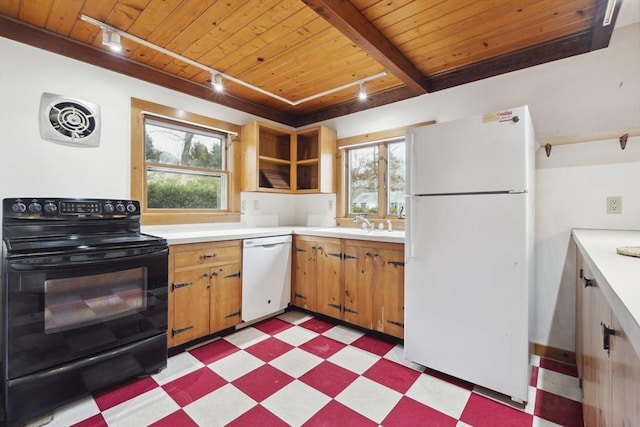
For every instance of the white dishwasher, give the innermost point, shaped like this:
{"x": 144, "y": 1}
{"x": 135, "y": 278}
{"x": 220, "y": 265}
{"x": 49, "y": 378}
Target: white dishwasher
{"x": 266, "y": 276}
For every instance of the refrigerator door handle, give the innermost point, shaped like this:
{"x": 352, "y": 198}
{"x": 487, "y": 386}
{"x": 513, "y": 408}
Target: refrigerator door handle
{"x": 408, "y": 227}
{"x": 409, "y": 156}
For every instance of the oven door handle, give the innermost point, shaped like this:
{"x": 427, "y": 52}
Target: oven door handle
{"x": 66, "y": 261}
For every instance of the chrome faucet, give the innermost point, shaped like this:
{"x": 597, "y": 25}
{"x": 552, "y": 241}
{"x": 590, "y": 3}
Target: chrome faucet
{"x": 364, "y": 221}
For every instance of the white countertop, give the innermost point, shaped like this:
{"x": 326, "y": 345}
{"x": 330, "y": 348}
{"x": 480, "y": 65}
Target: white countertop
{"x": 198, "y": 233}
{"x": 617, "y": 275}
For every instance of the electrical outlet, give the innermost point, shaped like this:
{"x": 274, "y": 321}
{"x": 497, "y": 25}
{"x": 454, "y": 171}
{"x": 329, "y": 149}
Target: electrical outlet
{"x": 614, "y": 205}
{"x": 330, "y": 204}
{"x": 256, "y": 205}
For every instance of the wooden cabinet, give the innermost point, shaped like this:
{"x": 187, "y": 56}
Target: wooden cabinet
{"x": 388, "y": 292}
{"x": 374, "y": 286}
{"x": 360, "y": 282}
{"x": 315, "y": 160}
{"x": 316, "y": 284}
{"x": 275, "y": 159}
{"x": 303, "y": 288}
{"x": 608, "y": 365}
{"x": 205, "y": 289}
{"x": 625, "y": 379}
{"x": 328, "y": 256}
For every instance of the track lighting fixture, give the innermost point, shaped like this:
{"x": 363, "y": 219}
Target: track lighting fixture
{"x": 112, "y": 39}
{"x": 362, "y": 93}
{"x": 217, "y": 82}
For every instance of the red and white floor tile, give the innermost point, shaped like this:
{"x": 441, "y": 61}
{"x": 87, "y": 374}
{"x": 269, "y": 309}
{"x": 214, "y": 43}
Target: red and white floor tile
{"x": 299, "y": 370}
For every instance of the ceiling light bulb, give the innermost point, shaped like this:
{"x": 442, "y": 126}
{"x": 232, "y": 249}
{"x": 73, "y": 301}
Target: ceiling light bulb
{"x": 112, "y": 39}
{"x": 217, "y": 83}
{"x": 362, "y": 94}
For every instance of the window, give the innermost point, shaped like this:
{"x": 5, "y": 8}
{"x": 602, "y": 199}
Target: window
{"x": 395, "y": 174}
{"x": 363, "y": 180}
{"x": 182, "y": 166}
{"x": 375, "y": 179}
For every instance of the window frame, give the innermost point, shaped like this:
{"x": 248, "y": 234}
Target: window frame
{"x": 381, "y": 139}
{"x": 141, "y": 109}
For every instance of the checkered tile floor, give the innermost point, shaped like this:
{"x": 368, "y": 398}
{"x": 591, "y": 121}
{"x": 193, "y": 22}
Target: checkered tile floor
{"x": 299, "y": 370}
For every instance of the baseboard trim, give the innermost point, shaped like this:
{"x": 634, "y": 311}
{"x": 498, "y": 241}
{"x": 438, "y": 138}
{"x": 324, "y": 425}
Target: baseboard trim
{"x": 554, "y": 353}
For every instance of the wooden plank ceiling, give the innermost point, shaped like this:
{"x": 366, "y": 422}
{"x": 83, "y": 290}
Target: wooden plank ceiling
{"x": 299, "y": 48}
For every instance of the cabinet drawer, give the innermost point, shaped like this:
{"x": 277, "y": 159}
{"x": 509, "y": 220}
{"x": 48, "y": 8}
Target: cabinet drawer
{"x": 207, "y": 254}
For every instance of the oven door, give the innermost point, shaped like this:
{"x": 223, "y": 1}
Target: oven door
{"x": 60, "y": 308}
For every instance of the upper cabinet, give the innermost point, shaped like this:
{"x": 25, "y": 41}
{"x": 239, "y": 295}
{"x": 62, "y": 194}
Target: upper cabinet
{"x": 315, "y": 160}
{"x": 275, "y": 159}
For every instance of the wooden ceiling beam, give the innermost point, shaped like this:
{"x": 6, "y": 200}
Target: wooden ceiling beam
{"x": 344, "y": 17}
{"x": 565, "y": 47}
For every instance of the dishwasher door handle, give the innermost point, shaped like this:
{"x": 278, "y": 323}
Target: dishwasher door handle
{"x": 270, "y": 246}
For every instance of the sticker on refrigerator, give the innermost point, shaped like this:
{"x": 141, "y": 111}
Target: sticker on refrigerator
{"x": 498, "y": 116}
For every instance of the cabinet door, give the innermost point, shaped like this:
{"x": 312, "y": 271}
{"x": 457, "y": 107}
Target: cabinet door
{"x": 190, "y": 292}
{"x": 580, "y": 314}
{"x": 225, "y": 295}
{"x": 358, "y": 283}
{"x": 625, "y": 379}
{"x": 597, "y": 377}
{"x": 328, "y": 267}
{"x": 304, "y": 289}
{"x": 388, "y": 292}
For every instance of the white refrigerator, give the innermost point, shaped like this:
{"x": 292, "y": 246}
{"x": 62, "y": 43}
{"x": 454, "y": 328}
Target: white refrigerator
{"x": 469, "y": 249}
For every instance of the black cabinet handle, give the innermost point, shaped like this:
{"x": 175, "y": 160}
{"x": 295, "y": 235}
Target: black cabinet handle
{"x": 587, "y": 282}
{"x": 607, "y": 332}
{"x": 396, "y": 263}
{"x": 175, "y": 286}
{"x": 175, "y": 332}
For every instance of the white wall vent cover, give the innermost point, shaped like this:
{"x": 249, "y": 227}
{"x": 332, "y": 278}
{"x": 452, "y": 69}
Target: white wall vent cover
{"x": 69, "y": 121}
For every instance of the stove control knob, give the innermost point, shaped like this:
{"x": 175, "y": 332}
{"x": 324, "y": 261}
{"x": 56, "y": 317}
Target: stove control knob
{"x": 131, "y": 207}
{"x": 35, "y": 207}
{"x": 19, "y": 207}
{"x": 108, "y": 207}
{"x": 120, "y": 207}
{"x": 50, "y": 207}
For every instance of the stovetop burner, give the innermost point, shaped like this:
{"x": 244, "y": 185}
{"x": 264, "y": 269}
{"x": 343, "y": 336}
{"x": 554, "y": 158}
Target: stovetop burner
{"x": 55, "y": 225}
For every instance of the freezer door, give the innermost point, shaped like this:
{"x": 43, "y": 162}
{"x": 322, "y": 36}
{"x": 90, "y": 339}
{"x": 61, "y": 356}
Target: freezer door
{"x": 476, "y": 154}
{"x": 466, "y": 288}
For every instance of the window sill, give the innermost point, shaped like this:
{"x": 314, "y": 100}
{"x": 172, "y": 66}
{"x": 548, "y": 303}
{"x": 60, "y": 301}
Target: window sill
{"x": 157, "y": 218}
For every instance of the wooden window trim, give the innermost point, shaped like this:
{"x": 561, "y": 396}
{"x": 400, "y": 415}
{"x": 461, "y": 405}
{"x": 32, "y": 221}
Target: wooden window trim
{"x": 138, "y": 170}
{"x": 343, "y": 218}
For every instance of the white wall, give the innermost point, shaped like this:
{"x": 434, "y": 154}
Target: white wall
{"x": 271, "y": 209}
{"x": 598, "y": 91}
